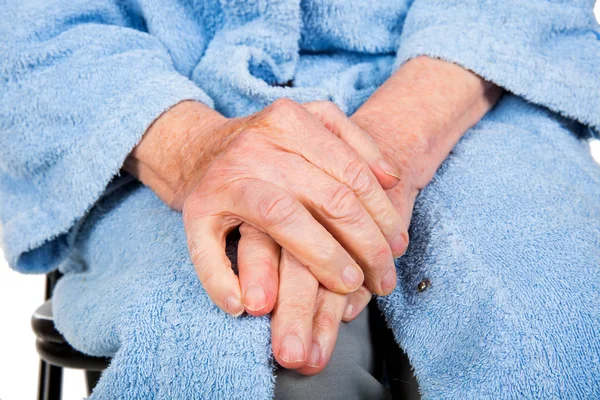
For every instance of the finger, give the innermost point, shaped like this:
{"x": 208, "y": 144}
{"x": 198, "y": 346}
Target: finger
{"x": 403, "y": 201}
{"x": 326, "y": 323}
{"x": 336, "y": 121}
{"x": 258, "y": 262}
{"x": 291, "y": 322}
{"x": 337, "y": 208}
{"x": 206, "y": 244}
{"x": 357, "y": 301}
{"x": 281, "y": 216}
{"x": 336, "y": 158}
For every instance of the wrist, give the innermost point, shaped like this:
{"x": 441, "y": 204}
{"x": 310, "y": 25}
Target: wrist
{"x": 420, "y": 113}
{"x": 399, "y": 151}
{"x": 175, "y": 150}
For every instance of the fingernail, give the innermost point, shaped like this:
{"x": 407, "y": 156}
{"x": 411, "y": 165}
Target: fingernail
{"x": 234, "y": 306}
{"x": 292, "y": 349}
{"x": 255, "y": 298}
{"x": 315, "y": 356}
{"x": 388, "y": 169}
{"x": 399, "y": 244}
{"x": 349, "y": 310}
{"x": 352, "y": 278}
{"x": 388, "y": 283}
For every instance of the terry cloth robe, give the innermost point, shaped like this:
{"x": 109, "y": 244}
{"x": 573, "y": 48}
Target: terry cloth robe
{"x": 508, "y": 232}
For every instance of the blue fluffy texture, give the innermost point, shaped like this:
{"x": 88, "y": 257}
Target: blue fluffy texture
{"x": 508, "y": 232}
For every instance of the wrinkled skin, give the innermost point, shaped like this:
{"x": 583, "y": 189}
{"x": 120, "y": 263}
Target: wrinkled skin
{"x": 323, "y": 201}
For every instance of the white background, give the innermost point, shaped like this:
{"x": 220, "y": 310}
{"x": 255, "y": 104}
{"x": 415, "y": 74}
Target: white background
{"x": 19, "y": 297}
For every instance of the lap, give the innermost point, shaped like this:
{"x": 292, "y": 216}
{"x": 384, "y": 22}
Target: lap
{"x": 507, "y": 235}
{"x": 136, "y": 298}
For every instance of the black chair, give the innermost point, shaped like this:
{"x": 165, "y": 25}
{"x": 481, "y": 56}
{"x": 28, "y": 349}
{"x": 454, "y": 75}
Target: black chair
{"x": 56, "y": 354}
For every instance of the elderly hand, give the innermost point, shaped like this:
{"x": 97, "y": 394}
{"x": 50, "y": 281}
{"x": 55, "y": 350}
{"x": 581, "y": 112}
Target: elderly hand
{"x": 284, "y": 173}
{"x": 306, "y": 317}
{"x": 416, "y": 117}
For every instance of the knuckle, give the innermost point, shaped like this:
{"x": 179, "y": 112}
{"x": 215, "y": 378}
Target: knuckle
{"x": 342, "y": 204}
{"x": 382, "y": 255}
{"x": 277, "y": 210}
{"x": 327, "y": 112}
{"x": 388, "y": 215}
{"x": 277, "y": 119}
{"x": 358, "y": 177}
{"x": 298, "y": 313}
{"x": 283, "y": 106}
{"x": 329, "y": 107}
{"x": 326, "y": 257}
{"x": 326, "y": 319}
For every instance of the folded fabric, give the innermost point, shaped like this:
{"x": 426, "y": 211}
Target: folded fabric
{"x": 507, "y": 236}
{"x": 81, "y": 81}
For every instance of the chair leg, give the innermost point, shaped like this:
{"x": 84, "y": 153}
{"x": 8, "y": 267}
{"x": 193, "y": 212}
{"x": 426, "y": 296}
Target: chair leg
{"x": 50, "y": 376}
{"x": 50, "y": 382}
{"x": 91, "y": 379}
{"x": 42, "y": 380}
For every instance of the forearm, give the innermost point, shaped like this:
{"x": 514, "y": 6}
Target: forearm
{"x": 174, "y": 148}
{"x": 416, "y": 117}
{"x": 421, "y": 112}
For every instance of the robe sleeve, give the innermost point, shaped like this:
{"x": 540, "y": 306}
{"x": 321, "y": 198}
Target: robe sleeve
{"x": 80, "y": 81}
{"x": 546, "y": 51}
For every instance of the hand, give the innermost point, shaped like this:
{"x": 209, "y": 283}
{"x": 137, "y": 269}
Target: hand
{"x": 418, "y": 115}
{"x": 306, "y": 317}
{"x": 281, "y": 171}
{"x": 439, "y": 102}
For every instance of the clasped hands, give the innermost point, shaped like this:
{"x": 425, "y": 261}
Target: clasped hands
{"x": 321, "y": 212}
{"x": 318, "y": 232}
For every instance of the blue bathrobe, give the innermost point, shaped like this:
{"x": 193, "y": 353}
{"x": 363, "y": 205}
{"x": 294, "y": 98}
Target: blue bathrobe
{"x": 508, "y": 232}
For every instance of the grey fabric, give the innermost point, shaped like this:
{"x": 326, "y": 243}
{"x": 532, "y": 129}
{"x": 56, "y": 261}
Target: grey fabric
{"x": 351, "y": 373}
